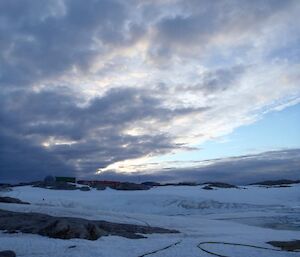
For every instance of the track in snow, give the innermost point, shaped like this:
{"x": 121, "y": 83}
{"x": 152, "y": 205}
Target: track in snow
{"x": 161, "y": 249}
{"x": 236, "y": 244}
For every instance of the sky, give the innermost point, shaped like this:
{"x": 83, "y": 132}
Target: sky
{"x": 164, "y": 90}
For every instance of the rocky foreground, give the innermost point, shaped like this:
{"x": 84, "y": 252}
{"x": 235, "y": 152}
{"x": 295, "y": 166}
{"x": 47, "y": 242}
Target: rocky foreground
{"x": 293, "y": 245}
{"x": 67, "y": 227}
{"x": 7, "y": 199}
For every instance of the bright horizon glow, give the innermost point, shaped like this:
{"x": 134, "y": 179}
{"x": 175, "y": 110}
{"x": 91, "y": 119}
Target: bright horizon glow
{"x": 264, "y": 135}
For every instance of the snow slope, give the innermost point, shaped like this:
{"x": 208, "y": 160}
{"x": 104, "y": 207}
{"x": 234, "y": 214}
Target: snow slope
{"x": 252, "y": 215}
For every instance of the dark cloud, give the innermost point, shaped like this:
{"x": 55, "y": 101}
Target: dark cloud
{"x": 214, "y": 81}
{"x": 21, "y": 160}
{"x": 201, "y": 24}
{"x": 221, "y": 79}
{"x": 284, "y": 164}
{"x": 95, "y": 130}
{"x": 45, "y": 39}
{"x": 54, "y": 113}
{"x": 42, "y": 39}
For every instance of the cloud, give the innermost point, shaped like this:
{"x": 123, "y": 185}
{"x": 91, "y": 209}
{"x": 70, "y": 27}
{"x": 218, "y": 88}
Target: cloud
{"x": 240, "y": 170}
{"x": 86, "y": 137}
{"x": 211, "y": 82}
{"x": 20, "y": 160}
{"x": 199, "y": 27}
{"x": 99, "y": 83}
{"x": 46, "y": 39}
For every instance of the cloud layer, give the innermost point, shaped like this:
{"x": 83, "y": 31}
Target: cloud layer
{"x": 237, "y": 170}
{"x": 90, "y": 85}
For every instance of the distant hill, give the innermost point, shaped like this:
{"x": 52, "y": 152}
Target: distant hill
{"x": 276, "y": 182}
{"x": 219, "y": 185}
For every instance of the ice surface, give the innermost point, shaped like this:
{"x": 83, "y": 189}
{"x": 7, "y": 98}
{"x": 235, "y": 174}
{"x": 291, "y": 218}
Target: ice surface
{"x": 224, "y": 215}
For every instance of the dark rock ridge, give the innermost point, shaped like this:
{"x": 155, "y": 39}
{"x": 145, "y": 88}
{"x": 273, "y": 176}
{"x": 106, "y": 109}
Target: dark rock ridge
{"x": 5, "y": 185}
{"x": 7, "y": 199}
{"x": 181, "y": 184}
{"x": 208, "y": 184}
{"x": 4, "y": 188}
{"x": 276, "y": 182}
{"x": 60, "y": 185}
{"x": 151, "y": 183}
{"x": 219, "y": 185}
{"x": 7, "y": 254}
{"x": 286, "y": 245}
{"x": 56, "y": 185}
{"x": 69, "y": 227}
{"x": 117, "y": 185}
{"x": 131, "y": 186}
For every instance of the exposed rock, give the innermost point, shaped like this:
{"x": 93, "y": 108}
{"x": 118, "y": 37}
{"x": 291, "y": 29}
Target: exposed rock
{"x": 85, "y": 188}
{"x": 69, "y": 227}
{"x": 117, "y": 185}
{"x": 7, "y": 199}
{"x": 66, "y": 228}
{"x": 5, "y": 185}
{"x": 25, "y": 184}
{"x": 151, "y": 183}
{"x": 59, "y": 185}
{"x": 56, "y": 185}
{"x": 180, "y": 184}
{"x": 187, "y": 184}
{"x": 100, "y": 187}
{"x": 131, "y": 186}
{"x": 286, "y": 245}
{"x": 7, "y": 254}
{"x": 209, "y": 184}
{"x": 276, "y": 182}
{"x": 219, "y": 185}
{"x": 5, "y": 188}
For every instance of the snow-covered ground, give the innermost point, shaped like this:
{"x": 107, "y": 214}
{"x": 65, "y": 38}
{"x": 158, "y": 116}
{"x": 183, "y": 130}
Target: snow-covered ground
{"x": 253, "y": 215}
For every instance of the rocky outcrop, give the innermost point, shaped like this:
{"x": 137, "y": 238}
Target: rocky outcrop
{"x": 279, "y": 182}
{"x": 69, "y": 227}
{"x": 219, "y": 185}
{"x": 7, "y": 254}
{"x": 56, "y": 185}
{"x": 100, "y": 187}
{"x": 151, "y": 183}
{"x": 84, "y": 188}
{"x": 5, "y": 188}
{"x": 60, "y": 185}
{"x": 131, "y": 186}
{"x": 7, "y": 199}
{"x": 286, "y": 245}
